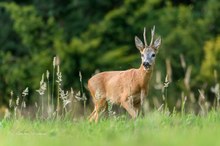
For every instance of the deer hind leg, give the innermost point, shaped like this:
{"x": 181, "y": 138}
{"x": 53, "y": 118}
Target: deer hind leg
{"x": 93, "y": 94}
{"x": 91, "y": 115}
{"x": 100, "y": 106}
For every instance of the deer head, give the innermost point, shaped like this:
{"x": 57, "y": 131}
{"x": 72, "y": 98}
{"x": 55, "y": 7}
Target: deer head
{"x": 148, "y": 52}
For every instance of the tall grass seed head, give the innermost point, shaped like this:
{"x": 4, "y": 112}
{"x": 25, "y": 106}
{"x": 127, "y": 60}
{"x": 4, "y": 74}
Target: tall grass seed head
{"x": 54, "y": 62}
{"x": 43, "y": 86}
{"x": 10, "y": 103}
{"x": 166, "y": 82}
{"x": 80, "y": 76}
{"x": 17, "y": 100}
{"x": 25, "y": 92}
{"x": 47, "y": 74}
{"x": 11, "y": 93}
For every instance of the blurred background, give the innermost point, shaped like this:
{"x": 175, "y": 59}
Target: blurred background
{"x": 98, "y": 35}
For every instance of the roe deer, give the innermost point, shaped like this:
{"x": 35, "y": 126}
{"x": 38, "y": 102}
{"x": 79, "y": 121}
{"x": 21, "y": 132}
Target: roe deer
{"x": 126, "y": 88}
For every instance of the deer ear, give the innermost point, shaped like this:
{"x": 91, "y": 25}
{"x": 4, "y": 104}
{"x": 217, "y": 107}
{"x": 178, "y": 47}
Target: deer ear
{"x": 157, "y": 43}
{"x": 139, "y": 43}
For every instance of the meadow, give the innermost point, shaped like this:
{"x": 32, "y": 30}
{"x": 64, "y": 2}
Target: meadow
{"x": 47, "y": 104}
{"x": 156, "y": 129}
{"x": 59, "y": 117}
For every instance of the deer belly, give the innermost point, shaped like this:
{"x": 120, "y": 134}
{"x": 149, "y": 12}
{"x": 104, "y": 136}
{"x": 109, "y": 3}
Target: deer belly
{"x": 116, "y": 99}
{"x": 113, "y": 99}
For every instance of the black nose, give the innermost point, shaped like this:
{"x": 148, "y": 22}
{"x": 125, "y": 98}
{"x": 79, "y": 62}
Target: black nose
{"x": 146, "y": 64}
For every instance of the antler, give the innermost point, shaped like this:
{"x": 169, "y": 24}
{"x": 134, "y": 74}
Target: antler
{"x": 152, "y": 36}
{"x": 144, "y": 35}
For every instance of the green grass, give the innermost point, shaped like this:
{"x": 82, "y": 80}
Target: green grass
{"x": 152, "y": 130}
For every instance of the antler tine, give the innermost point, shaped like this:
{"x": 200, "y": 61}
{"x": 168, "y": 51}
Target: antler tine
{"x": 144, "y": 35}
{"x": 152, "y": 35}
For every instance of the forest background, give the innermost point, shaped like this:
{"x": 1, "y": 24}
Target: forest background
{"x": 96, "y": 35}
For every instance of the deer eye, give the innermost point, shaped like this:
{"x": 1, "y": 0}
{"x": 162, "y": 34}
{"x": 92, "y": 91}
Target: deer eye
{"x": 153, "y": 55}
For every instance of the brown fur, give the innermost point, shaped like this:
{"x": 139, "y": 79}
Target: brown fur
{"x": 126, "y": 88}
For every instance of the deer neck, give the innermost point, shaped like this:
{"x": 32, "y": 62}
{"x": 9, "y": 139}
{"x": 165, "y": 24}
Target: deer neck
{"x": 145, "y": 76}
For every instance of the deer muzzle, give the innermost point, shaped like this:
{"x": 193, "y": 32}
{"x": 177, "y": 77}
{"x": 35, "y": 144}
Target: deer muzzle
{"x": 146, "y": 65}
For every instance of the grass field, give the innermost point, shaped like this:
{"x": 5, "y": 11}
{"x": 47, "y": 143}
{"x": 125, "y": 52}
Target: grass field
{"x": 155, "y": 129}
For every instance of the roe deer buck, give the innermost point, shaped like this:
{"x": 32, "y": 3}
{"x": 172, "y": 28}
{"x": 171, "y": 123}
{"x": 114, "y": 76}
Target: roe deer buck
{"x": 126, "y": 88}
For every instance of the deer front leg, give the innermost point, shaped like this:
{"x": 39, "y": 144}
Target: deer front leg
{"x": 140, "y": 107}
{"x": 130, "y": 109}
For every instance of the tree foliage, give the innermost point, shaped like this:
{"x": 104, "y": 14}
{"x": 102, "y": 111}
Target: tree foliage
{"x": 90, "y": 35}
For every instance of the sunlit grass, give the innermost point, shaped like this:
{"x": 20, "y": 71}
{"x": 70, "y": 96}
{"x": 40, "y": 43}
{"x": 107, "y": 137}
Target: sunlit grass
{"x": 155, "y": 128}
